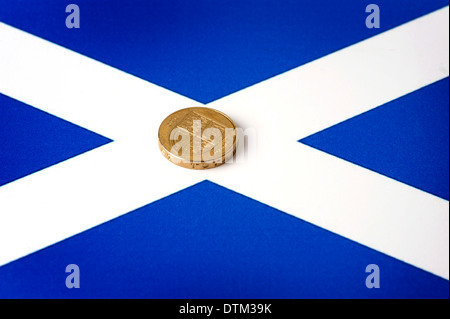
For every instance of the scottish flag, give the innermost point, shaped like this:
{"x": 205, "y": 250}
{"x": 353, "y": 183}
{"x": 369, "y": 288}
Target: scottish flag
{"x": 340, "y": 188}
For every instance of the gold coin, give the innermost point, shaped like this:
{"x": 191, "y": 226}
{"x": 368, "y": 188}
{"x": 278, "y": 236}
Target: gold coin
{"x": 197, "y": 138}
